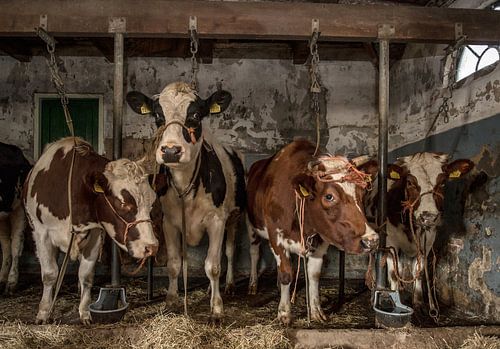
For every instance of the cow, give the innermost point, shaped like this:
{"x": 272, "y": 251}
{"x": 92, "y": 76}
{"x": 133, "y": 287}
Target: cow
{"x": 14, "y": 168}
{"x": 207, "y": 177}
{"x": 415, "y": 202}
{"x": 329, "y": 192}
{"x": 106, "y": 196}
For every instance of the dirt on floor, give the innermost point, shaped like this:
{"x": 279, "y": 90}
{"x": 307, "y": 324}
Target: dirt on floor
{"x": 249, "y": 321}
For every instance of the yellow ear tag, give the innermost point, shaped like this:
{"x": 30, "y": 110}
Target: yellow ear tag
{"x": 98, "y": 188}
{"x": 145, "y": 109}
{"x": 215, "y": 108}
{"x": 455, "y": 174}
{"x": 394, "y": 175}
{"x": 303, "y": 191}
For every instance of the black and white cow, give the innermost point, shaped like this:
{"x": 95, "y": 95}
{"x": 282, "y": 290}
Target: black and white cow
{"x": 415, "y": 194}
{"x": 13, "y": 171}
{"x": 210, "y": 176}
{"x": 110, "y": 196}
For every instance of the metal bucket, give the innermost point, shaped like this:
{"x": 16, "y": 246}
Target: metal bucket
{"x": 389, "y": 311}
{"x": 110, "y": 307}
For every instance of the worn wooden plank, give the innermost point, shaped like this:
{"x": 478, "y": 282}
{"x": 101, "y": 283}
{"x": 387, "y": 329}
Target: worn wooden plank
{"x": 252, "y": 20}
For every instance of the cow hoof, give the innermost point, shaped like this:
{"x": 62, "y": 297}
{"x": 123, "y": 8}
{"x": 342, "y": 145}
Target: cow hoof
{"x": 10, "y": 289}
{"x": 252, "y": 289}
{"x": 41, "y": 322}
{"x": 172, "y": 301}
{"x": 216, "y": 319}
{"x": 318, "y": 316}
{"x": 86, "y": 322}
{"x": 285, "y": 317}
{"x": 229, "y": 290}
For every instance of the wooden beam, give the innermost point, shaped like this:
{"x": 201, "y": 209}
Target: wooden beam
{"x": 105, "y": 46}
{"x": 9, "y": 47}
{"x": 251, "y": 20}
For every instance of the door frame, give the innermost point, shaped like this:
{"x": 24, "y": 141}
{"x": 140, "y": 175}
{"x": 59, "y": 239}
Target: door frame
{"x": 39, "y": 97}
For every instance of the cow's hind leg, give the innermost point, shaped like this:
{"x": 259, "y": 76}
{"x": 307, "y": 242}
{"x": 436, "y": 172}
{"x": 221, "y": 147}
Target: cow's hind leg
{"x": 88, "y": 259}
{"x": 47, "y": 255}
{"x": 314, "y": 264}
{"x": 17, "y": 223}
{"x": 173, "y": 245}
{"x": 285, "y": 279}
{"x": 5, "y": 243}
{"x": 254, "y": 240}
{"x": 212, "y": 265}
{"x": 230, "y": 237}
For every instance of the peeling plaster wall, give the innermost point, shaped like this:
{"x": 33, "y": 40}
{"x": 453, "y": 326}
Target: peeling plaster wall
{"x": 270, "y": 107}
{"x": 469, "y": 244}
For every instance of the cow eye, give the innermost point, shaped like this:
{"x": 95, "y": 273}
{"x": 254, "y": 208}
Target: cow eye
{"x": 196, "y": 116}
{"x": 329, "y": 197}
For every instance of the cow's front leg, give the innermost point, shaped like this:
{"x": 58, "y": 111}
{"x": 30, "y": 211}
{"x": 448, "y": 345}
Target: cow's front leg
{"x": 173, "y": 245}
{"x": 254, "y": 240}
{"x": 5, "y": 243}
{"x": 215, "y": 231}
{"x": 231, "y": 234}
{"x": 418, "y": 266}
{"x": 17, "y": 223}
{"x": 314, "y": 264}
{"x": 391, "y": 271}
{"x": 88, "y": 259}
{"x": 47, "y": 255}
{"x": 285, "y": 279}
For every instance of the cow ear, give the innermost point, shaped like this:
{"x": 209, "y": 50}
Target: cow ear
{"x": 97, "y": 182}
{"x": 458, "y": 168}
{"x": 304, "y": 186}
{"x": 219, "y": 101}
{"x": 371, "y": 168}
{"x": 395, "y": 172}
{"x": 139, "y": 102}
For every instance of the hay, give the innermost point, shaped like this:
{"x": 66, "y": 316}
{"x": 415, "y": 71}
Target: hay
{"x": 478, "y": 341}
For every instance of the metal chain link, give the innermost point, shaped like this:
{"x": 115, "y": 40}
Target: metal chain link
{"x": 193, "y": 48}
{"x": 444, "y": 108}
{"x": 315, "y": 88}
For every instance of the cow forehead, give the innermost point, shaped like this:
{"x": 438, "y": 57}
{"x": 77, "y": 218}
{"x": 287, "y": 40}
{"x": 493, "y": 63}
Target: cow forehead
{"x": 426, "y": 167}
{"x": 175, "y": 99}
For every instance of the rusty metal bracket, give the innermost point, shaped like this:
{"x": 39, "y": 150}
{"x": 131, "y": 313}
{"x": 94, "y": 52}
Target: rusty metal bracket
{"x": 386, "y": 31}
{"x": 315, "y": 25}
{"x": 193, "y": 23}
{"x": 43, "y": 22}
{"x": 117, "y": 25}
{"x": 459, "y": 31}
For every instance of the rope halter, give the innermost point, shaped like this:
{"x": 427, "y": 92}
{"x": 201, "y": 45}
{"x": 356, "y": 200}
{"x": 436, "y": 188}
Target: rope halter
{"x": 335, "y": 165}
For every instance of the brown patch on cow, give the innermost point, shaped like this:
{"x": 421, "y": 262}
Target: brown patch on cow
{"x": 89, "y": 243}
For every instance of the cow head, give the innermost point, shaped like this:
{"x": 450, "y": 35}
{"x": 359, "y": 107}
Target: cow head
{"x": 178, "y": 112}
{"x": 123, "y": 205}
{"x": 333, "y": 191}
{"x": 419, "y": 180}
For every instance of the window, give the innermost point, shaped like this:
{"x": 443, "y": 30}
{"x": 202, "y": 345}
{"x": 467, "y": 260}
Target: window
{"x": 475, "y": 57}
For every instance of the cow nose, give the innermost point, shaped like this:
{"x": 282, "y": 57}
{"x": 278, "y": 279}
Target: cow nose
{"x": 370, "y": 243}
{"x": 174, "y": 150}
{"x": 151, "y": 250}
{"x": 428, "y": 218}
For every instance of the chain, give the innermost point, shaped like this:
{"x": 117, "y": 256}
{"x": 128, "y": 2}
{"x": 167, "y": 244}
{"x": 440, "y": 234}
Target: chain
{"x": 193, "y": 48}
{"x": 444, "y": 108}
{"x": 315, "y": 88}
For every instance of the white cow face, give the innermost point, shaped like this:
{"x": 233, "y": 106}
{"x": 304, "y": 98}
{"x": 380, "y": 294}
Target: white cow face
{"x": 178, "y": 112}
{"x": 421, "y": 178}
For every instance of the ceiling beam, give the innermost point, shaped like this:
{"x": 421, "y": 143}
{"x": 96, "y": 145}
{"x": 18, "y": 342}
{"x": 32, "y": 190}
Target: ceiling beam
{"x": 9, "y": 47}
{"x": 250, "y": 20}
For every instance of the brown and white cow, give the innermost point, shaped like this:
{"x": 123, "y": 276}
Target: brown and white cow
{"x": 113, "y": 196}
{"x": 14, "y": 168}
{"x": 332, "y": 191}
{"x": 209, "y": 176}
{"x": 415, "y": 186}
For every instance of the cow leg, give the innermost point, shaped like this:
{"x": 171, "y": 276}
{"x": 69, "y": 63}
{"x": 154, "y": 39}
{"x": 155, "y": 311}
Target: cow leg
{"x": 88, "y": 259}
{"x": 285, "y": 279}
{"x": 173, "y": 245}
{"x": 17, "y": 223}
{"x": 47, "y": 255}
{"x": 417, "y": 291}
{"x": 254, "y": 240}
{"x": 391, "y": 271}
{"x": 215, "y": 231}
{"x": 230, "y": 237}
{"x": 314, "y": 264}
{"x": 5, "y": 242}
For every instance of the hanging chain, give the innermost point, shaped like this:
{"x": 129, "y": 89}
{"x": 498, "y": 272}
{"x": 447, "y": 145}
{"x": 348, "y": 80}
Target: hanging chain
{"x": 315, "y": 88}
{"x": 193, "y": 48}
{"x": 451, "y": 54}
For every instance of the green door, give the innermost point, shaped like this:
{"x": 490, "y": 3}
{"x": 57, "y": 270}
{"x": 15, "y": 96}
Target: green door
{"x": 85, "y": 115}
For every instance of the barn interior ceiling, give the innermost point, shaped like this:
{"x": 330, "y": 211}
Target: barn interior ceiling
{"x": 24, "y": 48}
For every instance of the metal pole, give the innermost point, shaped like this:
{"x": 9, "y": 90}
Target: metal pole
{"x": 150, "y": 278}
{"x": 341, "y": 278}
{"x": 383, "y": 106}
{"x": 117, "y": 136}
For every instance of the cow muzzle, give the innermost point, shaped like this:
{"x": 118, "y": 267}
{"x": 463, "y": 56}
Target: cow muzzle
{"x": 369, "y": 243}
{"x": 171, "y": 154}
{"x": 428, "y": 219}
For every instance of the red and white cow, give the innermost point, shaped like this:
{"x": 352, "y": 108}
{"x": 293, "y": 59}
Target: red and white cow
{"x": 331, "y": 189}
{"x": 13, "y": 171}
{"x": 415, "y": 194}
{"x": 210, "y": 178}
{"x": 113, "y": 196}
